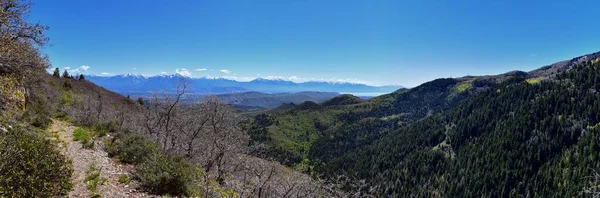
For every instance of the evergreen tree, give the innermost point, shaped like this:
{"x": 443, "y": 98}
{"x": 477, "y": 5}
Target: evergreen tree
{"x": 140, "y": 101}
{"x": 66, "y": 74}
{"x": 56, "y": 73}
{"x": 81, "y": 77}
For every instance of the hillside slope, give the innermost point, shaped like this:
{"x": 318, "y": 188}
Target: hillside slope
{"x": 501, "y": 135}
{"x": 519, "y": 138}
{"x": 82, "y": 159}
{"x": 294, "y": 137}
{"x": 257, "y": 99}
{"x": 93, "y": 108}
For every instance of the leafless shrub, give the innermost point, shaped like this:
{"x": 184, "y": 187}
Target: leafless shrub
{"x": 18, "y": 40}
{"x": 593, "y": 187}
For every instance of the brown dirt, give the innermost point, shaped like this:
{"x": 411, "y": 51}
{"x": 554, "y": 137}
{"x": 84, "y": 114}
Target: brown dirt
{"x": 82, "y": 159}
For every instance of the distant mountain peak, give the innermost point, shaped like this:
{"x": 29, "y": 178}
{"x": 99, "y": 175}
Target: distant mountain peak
{"x": 133, "y": 75}
{"x": 134, "y": 83}
{"x": 259, "y": 79}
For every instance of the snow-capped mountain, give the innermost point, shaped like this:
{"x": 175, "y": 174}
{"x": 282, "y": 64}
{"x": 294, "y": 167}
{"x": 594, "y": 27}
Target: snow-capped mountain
{"x": 131, "y": 83}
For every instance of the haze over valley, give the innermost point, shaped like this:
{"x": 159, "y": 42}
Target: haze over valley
{"x": 299, "y": 99}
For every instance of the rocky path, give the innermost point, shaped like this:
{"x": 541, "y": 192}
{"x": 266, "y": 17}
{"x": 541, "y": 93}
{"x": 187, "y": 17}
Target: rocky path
{"x": 82, "y": 159}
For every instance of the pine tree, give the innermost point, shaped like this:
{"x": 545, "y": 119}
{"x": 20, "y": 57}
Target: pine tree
{"x": 56, "y": 73}
{"x": 81, "y": 77}
{"x": 140, "y": 101}
{"x": 66, "y": 74}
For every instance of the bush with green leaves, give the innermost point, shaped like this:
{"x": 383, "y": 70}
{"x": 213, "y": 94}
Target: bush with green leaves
{"x": 130, "y": 148}
{"x": 38, "y": 114}
{"x": 168, "y": 174}
{"x": 37, "y": 119}
{"x": 124, "y": 179}
{"x": 30, "y": 166}
{"x": 62, "y": 115}
{"x": 101, "y": 130}
{"x": 84, "y": 136}
{"x": 92, "y": 179}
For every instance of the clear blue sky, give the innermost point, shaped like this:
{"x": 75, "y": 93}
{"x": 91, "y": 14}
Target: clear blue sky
{"x": 376, "y": 41}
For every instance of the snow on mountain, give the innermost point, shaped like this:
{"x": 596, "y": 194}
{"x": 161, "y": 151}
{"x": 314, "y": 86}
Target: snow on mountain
{"x": 136, "y": 83}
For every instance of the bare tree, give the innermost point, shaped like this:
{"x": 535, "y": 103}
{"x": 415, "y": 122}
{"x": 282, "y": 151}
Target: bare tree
{"x": 223, "y": 137}
{"x": 13, "y": 24}
{"x": 208, "y": 133}
{"x": 593, "y": 188}
{"x": 18, "y": 39}
{"x": 162, "y": 115}
{"x": 19, "y": 56}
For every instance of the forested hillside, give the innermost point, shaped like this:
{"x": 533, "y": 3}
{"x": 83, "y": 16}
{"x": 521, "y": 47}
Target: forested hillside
{"x": 519, "y": 138}
{"x": 514, "y": 134}
{"x": 310, "y": 134}
{"x": 518, "y": 134}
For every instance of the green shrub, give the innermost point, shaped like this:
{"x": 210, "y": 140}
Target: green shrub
{"x": 38, "y": 114}
{"x": 124, "y": 179}
{"x": 84, "y": 136}
{"x": 67, "y": 85}
{"x": 92, "y": 178}
{"x": 130, "y": 148}
{"x": 30, "y": 166}
{"x": 61, "y": 115}
{"x": 66, "y": 98}
{"x": 167, "y": 174}
{"x": 101, "y": 130}
{"x": 87, "y": 144}
{"x": 39, "y": 121}
{"x": 81, "y": 134}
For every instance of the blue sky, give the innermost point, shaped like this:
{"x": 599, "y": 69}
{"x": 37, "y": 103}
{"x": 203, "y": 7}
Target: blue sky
{"x": 378, "y": 42}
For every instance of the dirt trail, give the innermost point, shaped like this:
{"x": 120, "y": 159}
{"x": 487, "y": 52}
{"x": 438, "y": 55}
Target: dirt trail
{"x": 82, "y": 159}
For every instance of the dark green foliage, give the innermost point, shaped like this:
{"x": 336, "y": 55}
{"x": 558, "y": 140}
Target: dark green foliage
{"x": 308, "y": 105}
{"x": 61, "y": 115}
{"x": 66, "y": 75}
{"x": 124, "y": 179}
{"x": 130, "y": 148}
{"x": 316, "y": 133}
{"x": 515, "y": 139}
{"x": 56, "y": 73}
{"x": 157, "y": 172}
{"x": 257, "y": 128}
{"x": 344, "y": 99}
{"x": 30, "y": 166}
{"x": 92, "y": 179}
{"x": 81, "y": 134}
{"x": 67, "y": 85}
{"x": 81, "y": 77}
{"x": 140, "y": 101}
{"x": 167, "y": 174}
{"x": 40, "y": 121}
{"x": 351, "y": 136}
{"x": 38, "y": 113}
{"x": 100, "y": 130}
{"x": 85, "y": 137}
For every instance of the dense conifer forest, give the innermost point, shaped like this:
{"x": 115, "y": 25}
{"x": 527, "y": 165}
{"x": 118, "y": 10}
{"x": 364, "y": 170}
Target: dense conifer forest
{"x": 521, "y": 135}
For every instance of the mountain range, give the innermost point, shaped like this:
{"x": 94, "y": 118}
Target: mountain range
{"x": 141, "y": 85}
